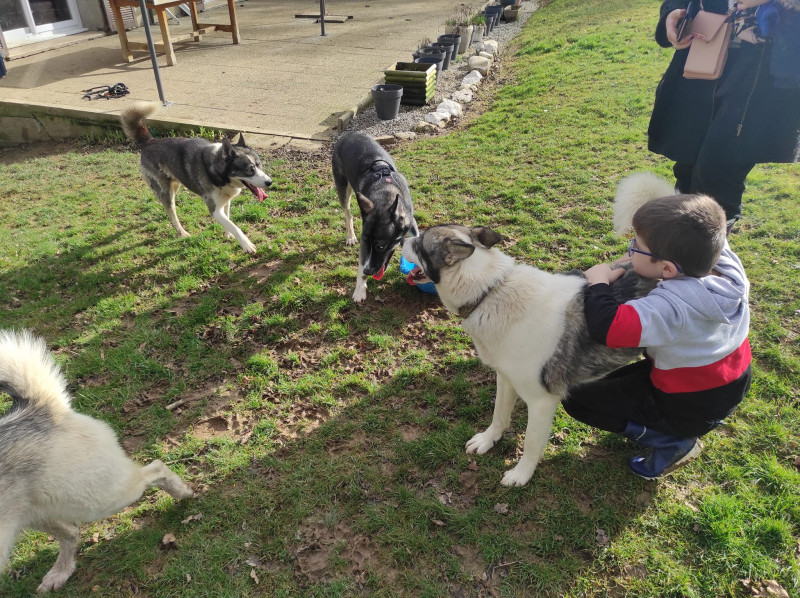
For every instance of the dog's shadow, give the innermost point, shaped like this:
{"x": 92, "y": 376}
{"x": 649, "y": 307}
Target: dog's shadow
{"x": 294, "y": 511}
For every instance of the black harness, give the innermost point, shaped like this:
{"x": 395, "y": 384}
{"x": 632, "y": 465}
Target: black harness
{"x": 105, "y": 92}
{"x": 380, "y": 169}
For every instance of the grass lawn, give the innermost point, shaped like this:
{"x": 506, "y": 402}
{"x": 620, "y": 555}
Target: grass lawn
{"x": 326, "y": 439}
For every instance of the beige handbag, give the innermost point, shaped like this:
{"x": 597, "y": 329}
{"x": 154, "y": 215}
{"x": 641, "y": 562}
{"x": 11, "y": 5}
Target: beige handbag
{"x": 709, "y": 49}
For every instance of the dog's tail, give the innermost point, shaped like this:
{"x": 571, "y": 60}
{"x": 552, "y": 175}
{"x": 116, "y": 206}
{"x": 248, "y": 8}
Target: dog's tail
{"x": 133, "y": 121}
{"x": 633, "y": 192}
{"x": 29, "y": 375}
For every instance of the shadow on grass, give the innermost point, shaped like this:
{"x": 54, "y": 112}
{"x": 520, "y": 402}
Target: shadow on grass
{"x": 377, "y": 497}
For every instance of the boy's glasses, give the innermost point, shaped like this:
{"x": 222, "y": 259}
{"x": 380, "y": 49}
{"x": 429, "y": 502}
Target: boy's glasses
{"x": 634, "y": 248}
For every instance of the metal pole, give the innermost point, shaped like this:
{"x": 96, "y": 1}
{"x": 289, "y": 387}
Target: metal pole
{"x": 322, "y": 17}
{"x": 152, "y": 48}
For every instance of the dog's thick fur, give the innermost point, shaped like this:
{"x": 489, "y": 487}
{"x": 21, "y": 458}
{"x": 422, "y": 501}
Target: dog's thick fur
{"x": 217, "y": 172}
{"x": 526, "y": 324}
{"x": 362, "y": 166}
{"x": 59, "y": 468}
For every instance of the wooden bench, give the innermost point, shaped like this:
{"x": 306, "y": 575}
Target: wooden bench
{"x": 160, "y": 8}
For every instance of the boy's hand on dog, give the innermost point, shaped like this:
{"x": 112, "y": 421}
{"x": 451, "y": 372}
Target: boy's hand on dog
{"x": 603, "y": 274}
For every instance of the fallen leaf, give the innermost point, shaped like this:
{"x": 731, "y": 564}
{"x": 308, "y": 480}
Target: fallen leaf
{"x": 192, "y": 518}
{"x": 768, "y": 588}
{"x": 601, "y": 538}
{"x": 255, "y": 561}
{"x": 438, "y": 522}
{"x": 254, "y": 576}
{"x": 96, "y": 537}
{"x": 169, "y": 541}
{"x": 501, "y": 508}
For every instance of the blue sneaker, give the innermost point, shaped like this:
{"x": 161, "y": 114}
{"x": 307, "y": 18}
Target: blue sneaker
{"x": 669, "y": 455}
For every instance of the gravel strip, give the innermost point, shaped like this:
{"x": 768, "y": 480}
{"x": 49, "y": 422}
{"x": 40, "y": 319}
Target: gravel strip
{"x": 448, "y": 83}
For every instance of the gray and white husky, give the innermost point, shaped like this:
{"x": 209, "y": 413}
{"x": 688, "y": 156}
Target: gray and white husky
{"x": 526, "y": 324}
{"x": 59, "y": 468}
{"x": 217, "y": 172}
{"x": 362, "y": 166}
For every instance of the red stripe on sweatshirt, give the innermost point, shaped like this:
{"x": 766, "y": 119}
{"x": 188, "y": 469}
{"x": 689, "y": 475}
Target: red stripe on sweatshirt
{"x": 704, "y": 377}
{"x": 626, "y": 329}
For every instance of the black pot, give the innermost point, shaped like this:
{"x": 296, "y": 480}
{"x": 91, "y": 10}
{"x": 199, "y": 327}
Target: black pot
{"x": 431, "y": 51}
{"x": 456, "y": 41}
{"x": 493, "y": 12}
{"x": 432, "y": 59}
{"x": 447, "y": 48}
{"x": 387, "y": 100}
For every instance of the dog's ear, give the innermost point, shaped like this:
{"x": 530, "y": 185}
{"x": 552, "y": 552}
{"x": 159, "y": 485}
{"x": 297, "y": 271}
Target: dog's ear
{"x": 364, "y": 203}
{"x": 241, "y": 142}
{"x": 396, "y": 209}
{"x": 456, "y": 250}
{"x": 485, "y": 236}
{"x": 227, "y": 147}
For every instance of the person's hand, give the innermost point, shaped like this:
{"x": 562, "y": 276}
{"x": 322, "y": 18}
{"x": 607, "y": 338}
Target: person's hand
{"x": 622, "y": 260}
{"x": 743, "y": 4}
{"x": 603, "y": 274}
{"x": 672, "y": 29}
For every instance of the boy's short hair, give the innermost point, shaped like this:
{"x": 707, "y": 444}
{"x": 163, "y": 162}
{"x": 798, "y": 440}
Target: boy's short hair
{"x": 689, "y": 230}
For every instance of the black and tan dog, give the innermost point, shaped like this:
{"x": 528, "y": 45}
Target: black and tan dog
{"x": 217, "y": 172}
{"x": 362, "y": 166}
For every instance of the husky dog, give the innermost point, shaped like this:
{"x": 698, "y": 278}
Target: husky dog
{"x": 527, "y": 324}
{"x": 59, "y": 468}
{"x": 362, "y": 166}
{"x": 217, "y": 172}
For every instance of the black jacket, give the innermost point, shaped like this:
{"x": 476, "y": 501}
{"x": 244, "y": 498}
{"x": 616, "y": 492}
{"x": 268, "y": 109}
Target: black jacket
{"x": 746, "y": 116}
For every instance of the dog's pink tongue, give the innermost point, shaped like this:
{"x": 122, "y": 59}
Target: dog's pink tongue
{"x": 410, "y": 279}
{"x": 379, "y": 275}
{"x": 260, "y": 194}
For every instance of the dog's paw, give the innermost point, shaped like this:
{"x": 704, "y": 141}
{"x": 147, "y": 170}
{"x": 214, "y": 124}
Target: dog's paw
{"x": 350, "y": 241}
{"x": 183, "y": 233}
{"x": 181, "y": 490}
{"x": 360, "y": 294}
{"x": 481, "y": 443}
{"x": 248, "y": 246}
{"x": 53, "y": 580}
{"x": 519, "y": 476}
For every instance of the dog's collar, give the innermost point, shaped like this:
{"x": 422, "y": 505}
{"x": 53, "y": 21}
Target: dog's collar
{"x": 466, "y": 310}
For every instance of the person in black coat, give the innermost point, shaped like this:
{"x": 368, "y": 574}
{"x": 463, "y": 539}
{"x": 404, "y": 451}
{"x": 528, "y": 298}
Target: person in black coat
{"x": 716, "y": 131}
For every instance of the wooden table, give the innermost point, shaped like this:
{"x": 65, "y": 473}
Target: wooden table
{"x": 160, "y": 8}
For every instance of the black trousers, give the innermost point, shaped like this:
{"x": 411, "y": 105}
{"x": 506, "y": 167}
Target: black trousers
{"x": 723, "y": 182}
{"x": 627, "y": 394}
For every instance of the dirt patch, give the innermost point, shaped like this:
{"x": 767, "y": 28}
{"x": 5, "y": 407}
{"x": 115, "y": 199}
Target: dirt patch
{"x": 352, "y": 445}
{"x": 319, "y": 544}
{"x": 411, "y": 433}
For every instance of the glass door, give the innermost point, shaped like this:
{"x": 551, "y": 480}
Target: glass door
{"x": 33, "y": 20}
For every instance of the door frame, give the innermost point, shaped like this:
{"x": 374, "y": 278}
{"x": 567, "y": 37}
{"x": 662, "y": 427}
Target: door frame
{"x": 32, "y": 32}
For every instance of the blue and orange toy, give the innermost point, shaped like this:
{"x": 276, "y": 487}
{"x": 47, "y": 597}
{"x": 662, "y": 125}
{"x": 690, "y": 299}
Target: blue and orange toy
{"x": 425, "y": 284}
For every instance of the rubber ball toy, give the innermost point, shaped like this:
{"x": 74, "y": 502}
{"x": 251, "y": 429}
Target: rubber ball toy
{"x": 406, "y": 268}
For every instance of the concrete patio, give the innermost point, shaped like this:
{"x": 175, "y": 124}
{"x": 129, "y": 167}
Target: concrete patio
{"x": 283, "y": 83}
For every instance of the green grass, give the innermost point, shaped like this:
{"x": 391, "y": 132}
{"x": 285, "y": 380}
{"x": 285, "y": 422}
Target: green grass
{"x": 325, "y": 439}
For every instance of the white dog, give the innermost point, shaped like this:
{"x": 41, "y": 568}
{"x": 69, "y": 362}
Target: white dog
{"x": 526, "y": 324}
{"x": 59, "y": 468}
